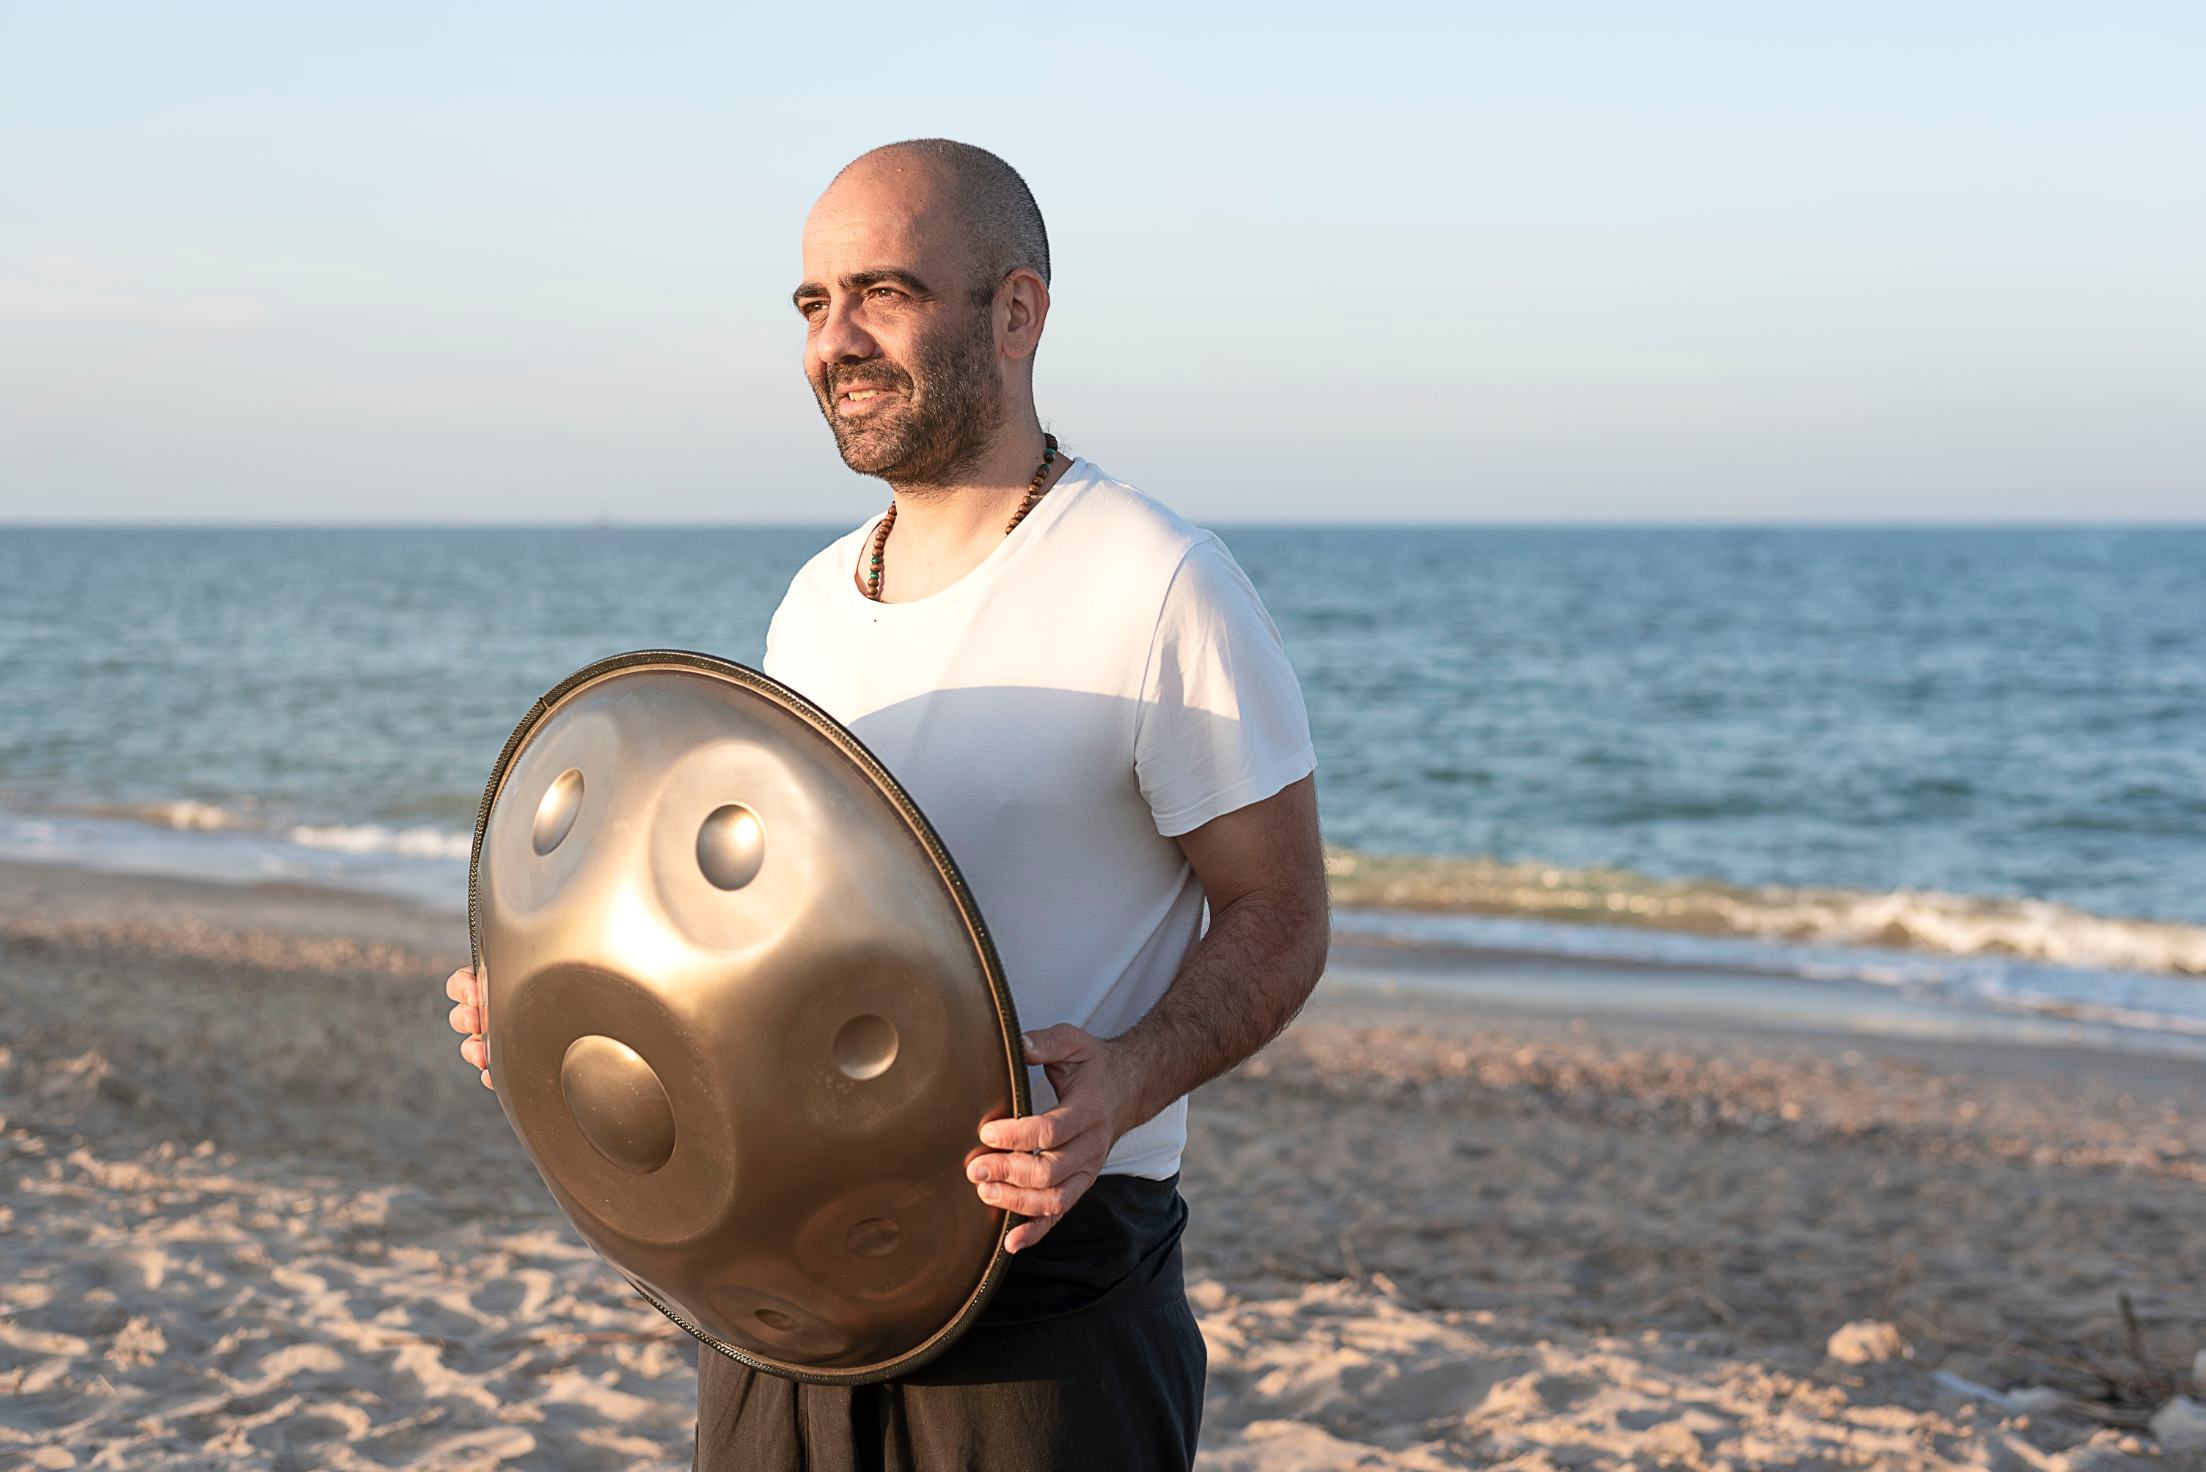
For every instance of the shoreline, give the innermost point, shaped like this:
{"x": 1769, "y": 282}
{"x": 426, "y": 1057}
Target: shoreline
{"x": 1574, "y": 912}
{"x": 1533, "y": 984}
{"x": 1364, "y": 969}
{"x": 257, "y": 1213}
{"x": 1509, "y": 979}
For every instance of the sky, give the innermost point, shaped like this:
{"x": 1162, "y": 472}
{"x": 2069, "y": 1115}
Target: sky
{"x": 1563, "y": 263}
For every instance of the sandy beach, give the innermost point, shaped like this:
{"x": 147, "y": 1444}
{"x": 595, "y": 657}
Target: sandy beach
{"x": 1469, "y": 1212}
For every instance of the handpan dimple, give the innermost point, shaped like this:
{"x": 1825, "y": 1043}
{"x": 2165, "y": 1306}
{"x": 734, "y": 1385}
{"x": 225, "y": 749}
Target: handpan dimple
{"x": 874, "y": 1237}
{"x": 772, "y": 1321}
{"x": 731, "y": 845}
{"x": 618, "y": 1103}
{"x": 865, "y": 1046}
{"x": 555, "y": 813}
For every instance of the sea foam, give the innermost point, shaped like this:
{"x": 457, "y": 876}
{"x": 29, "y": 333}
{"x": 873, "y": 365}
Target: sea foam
{"x": 375, "y": 838}
{"x": 1918, "y": 920}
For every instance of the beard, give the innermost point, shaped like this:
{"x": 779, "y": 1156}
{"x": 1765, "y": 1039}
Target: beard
{"x": 948, "y": 409}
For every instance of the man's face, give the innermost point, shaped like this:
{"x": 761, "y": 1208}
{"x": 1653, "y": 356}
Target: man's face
{"x": 902, "y": 359}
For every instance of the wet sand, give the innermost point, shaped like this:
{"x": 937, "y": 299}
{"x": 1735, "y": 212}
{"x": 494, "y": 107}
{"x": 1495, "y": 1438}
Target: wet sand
{"x": 1469, "y": 1212}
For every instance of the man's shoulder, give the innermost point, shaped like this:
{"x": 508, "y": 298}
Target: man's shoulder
{"x": 832, "y": 561}
{"x": 1113, "y": 518}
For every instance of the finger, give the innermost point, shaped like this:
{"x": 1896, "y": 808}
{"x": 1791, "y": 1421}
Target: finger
{"x": 1047, "y": 1201}
{"x": 486, "y": 1080}
{"x": 1053, "y": 1130}
{"x": 1027, "y": 1233}
{"x": 477, "y": 1052}
{"x": 460, "y": 987}
{"x": 465, "y": 1018}
{"x": 1058, "y": 1044}
{"x": 1051, "y": 1168}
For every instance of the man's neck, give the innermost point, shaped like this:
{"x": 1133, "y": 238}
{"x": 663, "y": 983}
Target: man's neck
{"x": 941, "y": 516}
{"x": 944, "y": 531}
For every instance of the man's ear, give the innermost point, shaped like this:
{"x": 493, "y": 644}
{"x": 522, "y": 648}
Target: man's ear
{"x": 1023, "y": 306}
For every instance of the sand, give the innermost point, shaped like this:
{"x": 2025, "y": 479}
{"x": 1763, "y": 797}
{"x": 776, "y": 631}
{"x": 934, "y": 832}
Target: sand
{"x": 254, "y": 1212}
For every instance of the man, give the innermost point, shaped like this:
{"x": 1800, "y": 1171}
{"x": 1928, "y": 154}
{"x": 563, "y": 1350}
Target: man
{"x": 1087, "y": 699}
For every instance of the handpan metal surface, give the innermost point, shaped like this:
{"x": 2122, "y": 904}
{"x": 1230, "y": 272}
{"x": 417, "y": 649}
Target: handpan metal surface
{"x": 743, "y": 1014}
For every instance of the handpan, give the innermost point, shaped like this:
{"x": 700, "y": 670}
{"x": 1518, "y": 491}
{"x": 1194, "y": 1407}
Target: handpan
{"x": 744, "y": 1015}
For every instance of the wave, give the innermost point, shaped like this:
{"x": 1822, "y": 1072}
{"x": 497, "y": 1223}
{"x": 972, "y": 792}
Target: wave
{"x": 1929, "y": 922}
{"x": 183, "y": 813}
{"x": 374, "y": 838}
{"x": 1917, "y": 920}
{"x": 188, "y": 815}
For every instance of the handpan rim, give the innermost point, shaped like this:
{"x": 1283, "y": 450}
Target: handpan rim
{"x": 959, "y": 893}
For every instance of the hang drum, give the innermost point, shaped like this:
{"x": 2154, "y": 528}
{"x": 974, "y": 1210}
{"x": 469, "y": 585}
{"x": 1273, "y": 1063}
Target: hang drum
{"x": 743, "y": 1014}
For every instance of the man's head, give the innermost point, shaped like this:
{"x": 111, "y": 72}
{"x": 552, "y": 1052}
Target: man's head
{"x": 926, "y": 279}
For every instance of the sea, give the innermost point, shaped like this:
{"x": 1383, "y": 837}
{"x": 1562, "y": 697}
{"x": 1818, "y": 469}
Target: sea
{"x": 1967, "y": 762}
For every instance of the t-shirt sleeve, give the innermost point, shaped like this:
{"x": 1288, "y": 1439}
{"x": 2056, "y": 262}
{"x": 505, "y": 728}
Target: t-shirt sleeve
{"x": 767, "y": 662}
{"x": 775, "y": 662}
{"x": 1221, "y": 722}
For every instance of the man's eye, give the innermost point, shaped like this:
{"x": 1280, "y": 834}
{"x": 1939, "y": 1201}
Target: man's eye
{"x": 810, "y": 308}
{"x": 883, "y": 291}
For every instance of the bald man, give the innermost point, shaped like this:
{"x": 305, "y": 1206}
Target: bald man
{"x": 1085, "y": 695}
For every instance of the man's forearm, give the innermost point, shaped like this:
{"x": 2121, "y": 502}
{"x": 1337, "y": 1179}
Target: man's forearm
{"x": 1240, "y": 986}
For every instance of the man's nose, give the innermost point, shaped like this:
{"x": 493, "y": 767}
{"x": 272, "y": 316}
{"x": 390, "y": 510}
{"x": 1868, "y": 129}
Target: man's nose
{"x": 840, "y": 339}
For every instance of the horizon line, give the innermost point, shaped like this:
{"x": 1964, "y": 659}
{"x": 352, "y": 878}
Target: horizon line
{"x": 1495, "y": 524}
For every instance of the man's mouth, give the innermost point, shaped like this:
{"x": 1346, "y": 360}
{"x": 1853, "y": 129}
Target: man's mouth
{"x": 859, "y": 398}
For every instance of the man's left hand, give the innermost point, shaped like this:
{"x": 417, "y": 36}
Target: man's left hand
{"x": 1046, "y": 1162}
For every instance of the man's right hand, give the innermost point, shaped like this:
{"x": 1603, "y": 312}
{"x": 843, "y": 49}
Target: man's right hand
{"x": 467, "y": 1017}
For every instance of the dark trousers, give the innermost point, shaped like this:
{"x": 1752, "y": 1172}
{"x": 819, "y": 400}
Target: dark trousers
{"x": 1087, "y": 1357}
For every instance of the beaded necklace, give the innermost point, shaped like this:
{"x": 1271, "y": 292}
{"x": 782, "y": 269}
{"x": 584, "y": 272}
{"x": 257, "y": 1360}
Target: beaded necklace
{"x": 1033, "y": 494}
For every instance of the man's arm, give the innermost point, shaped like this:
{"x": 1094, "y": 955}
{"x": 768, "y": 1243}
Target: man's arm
{"x": 1262, "y": 867}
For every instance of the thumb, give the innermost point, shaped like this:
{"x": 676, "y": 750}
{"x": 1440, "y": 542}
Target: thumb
{"x": 1057, "y": 1044}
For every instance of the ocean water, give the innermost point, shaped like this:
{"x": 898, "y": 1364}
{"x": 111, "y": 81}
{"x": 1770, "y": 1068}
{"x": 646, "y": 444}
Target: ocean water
{"x": 1961, "y": 758}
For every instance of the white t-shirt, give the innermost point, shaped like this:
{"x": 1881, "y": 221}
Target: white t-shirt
{"x": 1104, "y": 680}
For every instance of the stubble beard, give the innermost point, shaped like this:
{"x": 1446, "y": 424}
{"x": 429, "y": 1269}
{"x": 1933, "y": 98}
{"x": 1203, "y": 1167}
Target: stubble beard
{"x": 937, "y": 436}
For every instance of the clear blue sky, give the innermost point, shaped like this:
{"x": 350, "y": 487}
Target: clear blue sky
{"x": 481, "y": 262}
